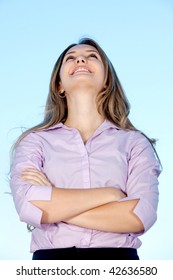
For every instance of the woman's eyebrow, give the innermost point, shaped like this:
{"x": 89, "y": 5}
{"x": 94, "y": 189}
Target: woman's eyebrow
{"x": 85, "y": 50}
{"x": 92, "y": 51}
{"x": 69, "y": 52}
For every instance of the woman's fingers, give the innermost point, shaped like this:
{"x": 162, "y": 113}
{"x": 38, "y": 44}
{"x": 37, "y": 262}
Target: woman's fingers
{"x": 36, "y": 177}
{"x": 33, "y": 179}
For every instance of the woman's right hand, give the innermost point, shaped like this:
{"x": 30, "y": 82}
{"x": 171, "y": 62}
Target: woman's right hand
{"x": 35, "y": 177}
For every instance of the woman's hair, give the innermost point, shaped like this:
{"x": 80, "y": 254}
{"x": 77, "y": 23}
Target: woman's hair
{"x": 111, "y": 101}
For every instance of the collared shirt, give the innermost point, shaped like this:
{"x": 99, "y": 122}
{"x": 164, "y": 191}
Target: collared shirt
{"x": 111, "y": 157}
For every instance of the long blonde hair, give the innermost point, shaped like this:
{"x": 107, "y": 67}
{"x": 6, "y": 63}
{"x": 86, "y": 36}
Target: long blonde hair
{"x": 111, "y": 102}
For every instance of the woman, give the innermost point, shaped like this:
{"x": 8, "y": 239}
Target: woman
{"x": 85, "y": 178}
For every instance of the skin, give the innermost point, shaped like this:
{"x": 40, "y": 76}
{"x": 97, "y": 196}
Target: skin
{"x": 81, "y": 79}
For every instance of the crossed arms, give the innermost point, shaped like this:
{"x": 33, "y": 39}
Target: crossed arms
{"x": 96, "y": 208}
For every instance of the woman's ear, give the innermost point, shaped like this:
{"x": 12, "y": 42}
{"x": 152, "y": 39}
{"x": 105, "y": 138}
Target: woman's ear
{"x": 105, "y": 86}
{"x": 60, "y": 88}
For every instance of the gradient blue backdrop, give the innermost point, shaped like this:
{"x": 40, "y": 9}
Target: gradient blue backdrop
{"x": 138, "y": 38}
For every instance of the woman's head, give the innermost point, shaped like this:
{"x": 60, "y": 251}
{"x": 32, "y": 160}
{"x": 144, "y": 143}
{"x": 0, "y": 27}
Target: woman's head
{"x": 82, "y": 73}
{"x": 111, "y": 100}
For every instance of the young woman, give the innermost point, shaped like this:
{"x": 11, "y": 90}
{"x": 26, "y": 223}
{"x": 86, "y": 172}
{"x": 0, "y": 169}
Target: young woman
{"x": 85, "y": 178}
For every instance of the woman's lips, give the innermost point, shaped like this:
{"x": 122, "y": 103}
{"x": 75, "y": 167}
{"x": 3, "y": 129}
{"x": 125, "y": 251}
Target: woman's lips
{"x": 81, "y": 69}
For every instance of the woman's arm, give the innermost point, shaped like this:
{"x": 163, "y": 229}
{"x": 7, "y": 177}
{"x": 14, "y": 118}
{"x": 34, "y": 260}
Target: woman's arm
{"x": 113, "y": 217}
{"x": 67, "y": 203}
{"x": 90, "y": 208}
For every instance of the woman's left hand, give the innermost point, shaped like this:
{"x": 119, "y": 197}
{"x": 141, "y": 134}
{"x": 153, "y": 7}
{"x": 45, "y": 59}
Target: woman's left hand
{"x": 35, "y": 177}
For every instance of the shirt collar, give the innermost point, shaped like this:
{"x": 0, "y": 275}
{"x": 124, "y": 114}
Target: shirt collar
{"x": 105, "y": 125}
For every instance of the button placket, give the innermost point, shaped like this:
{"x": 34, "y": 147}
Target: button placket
{"x": 86, "y": 238}
{"x": 84, "y": 160}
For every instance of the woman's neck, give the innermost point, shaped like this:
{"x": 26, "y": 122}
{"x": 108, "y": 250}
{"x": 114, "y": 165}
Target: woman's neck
{"x": 83, "y": 115}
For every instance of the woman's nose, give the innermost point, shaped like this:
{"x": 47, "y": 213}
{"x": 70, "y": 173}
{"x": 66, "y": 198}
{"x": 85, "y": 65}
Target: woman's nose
{"x": 80, "y": 59}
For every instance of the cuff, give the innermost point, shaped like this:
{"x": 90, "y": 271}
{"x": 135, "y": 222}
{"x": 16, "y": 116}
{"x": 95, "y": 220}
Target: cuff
{"x": 30, "y": 213}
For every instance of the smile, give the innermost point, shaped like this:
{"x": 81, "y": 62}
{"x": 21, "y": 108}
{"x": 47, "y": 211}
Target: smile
{"x": 81, "y": 69}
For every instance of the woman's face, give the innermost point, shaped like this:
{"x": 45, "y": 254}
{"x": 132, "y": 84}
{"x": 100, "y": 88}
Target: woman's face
{"x": 82, "y": 68}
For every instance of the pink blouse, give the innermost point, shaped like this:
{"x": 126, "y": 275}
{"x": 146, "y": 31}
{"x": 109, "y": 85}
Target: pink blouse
{"x": 112, "y": 157}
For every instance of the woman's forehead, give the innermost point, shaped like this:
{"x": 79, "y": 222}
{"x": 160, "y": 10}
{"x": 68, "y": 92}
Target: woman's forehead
{"x": 83, "y": 47}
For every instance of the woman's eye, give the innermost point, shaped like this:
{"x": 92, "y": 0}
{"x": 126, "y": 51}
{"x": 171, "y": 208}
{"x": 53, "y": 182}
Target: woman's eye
{"x": 93, "y": 55}
{"x": 69, "y": 57}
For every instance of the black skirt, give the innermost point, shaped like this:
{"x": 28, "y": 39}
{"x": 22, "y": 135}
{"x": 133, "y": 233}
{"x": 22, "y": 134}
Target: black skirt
{"x": 74, "y": 253}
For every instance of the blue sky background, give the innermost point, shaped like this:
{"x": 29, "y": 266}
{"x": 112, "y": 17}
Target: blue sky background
{"x": 138, "y": 38}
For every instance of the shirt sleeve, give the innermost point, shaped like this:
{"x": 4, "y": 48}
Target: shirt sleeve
{"x": 142, "y": 183}
{"x": 28, "y": 154}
